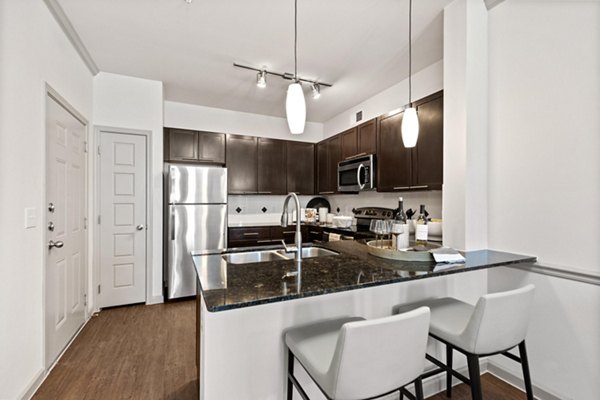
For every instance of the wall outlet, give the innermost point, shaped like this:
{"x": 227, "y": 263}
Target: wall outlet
{"x": 30, "y": 218}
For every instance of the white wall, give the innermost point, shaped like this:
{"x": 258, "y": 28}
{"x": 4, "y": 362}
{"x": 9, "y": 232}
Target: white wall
{"x": 425, "y": 82}
{"x": 33, "y": 50}
{"x": 189, "y": 116}
{"x": 544, "y": 174}
{"x": 133, "y": 103}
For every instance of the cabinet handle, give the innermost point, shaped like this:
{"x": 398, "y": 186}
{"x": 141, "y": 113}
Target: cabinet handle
{"x": 356, "y": 155}
{"x": 190, "y": 159}
{"x": 315, "y": 232}
{"x": 264, "y": 192}
{"x": 420, "y": 187}
{"x": 250, "y": 233}
{"x": 402, "y": 187}
{"x": 326, "y": 192}
{"x": 267, "y": 241}
{"x": 288, "y": 232}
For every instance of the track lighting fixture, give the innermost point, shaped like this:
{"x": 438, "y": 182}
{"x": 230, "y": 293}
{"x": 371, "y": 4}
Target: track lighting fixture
{"x": 261, "y": 79}
{"x": 316, "y": 90}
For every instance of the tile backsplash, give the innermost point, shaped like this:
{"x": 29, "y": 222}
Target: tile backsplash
{"x": 254, "y": 204}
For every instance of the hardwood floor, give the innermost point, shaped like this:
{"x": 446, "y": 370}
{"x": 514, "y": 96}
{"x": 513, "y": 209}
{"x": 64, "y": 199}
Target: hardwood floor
{"x": 136, "y": 352}
{"x": 148, "y": 352}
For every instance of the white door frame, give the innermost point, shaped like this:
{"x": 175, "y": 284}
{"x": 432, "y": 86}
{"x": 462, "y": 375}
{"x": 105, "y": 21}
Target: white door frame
{"x": 98, "y": 129}
{"x": 49, "y": 91}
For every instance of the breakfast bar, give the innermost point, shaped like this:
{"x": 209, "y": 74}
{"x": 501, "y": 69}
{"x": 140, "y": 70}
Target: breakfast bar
{"x": 247, "y": 298}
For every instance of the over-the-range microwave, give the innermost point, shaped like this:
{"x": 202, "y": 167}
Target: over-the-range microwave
{"x": 356, "y": 174}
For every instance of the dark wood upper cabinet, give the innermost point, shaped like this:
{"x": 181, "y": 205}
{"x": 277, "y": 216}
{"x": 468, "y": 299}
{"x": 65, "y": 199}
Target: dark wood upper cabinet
{"x": 335, "y": 156}
{"x": 367, "y": 137}
{"x": 322, "y": 167}
{"x": 419, "y": 168}
{"x": 393, "y": 159}
{"x": 300, "y": 167}
{"x": 271, "y": 166}
{"x": 242, "y": 158}
{"x": 211, "y": 147}
{"x": 193, "y": 146}
{"x": 181, "y": 145}
{"x": 349, "y": 143}
{"x": 428, "y": 154}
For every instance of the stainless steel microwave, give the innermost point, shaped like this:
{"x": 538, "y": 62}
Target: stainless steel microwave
{"x": 356, "y": 174}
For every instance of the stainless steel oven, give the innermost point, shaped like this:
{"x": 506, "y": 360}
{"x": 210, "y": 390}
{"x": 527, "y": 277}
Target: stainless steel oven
{"x": 356, "y": 174}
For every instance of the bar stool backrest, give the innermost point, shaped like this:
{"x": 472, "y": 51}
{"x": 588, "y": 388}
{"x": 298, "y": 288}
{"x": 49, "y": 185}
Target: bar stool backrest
{"x": 376, "y": 356}
{"x": 499, "y": 321}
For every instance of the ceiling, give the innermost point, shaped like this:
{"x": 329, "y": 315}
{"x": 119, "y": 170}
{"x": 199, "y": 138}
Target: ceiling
{"x": 360, "y": 46}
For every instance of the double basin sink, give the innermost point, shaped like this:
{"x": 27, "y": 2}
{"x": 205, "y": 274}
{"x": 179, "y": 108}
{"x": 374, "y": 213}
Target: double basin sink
{"x": 274, "y": 255}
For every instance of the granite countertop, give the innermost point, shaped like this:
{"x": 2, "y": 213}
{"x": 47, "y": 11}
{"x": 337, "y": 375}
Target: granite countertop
{"x": 227, "y": 286}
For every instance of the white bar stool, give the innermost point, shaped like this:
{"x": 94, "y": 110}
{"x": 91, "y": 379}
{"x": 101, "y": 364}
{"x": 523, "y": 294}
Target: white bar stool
{"x": 496, "y": 324}
{"x": 354, "y": 359}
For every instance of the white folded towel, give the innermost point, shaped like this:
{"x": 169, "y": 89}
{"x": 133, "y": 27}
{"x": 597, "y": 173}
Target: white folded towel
{"x": 447, "y": 255}
{"x": 334, "y": 237}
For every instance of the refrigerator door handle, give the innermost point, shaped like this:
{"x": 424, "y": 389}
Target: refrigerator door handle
{"x": 172, "y": 224}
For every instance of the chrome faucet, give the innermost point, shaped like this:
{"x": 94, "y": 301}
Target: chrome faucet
{"x": 284, "y": 223}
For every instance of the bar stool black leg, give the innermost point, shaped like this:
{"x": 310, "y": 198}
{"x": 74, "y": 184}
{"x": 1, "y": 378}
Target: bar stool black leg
{"x": 473, "y": 362}
{"x": 419, "y": 388}
{"x": 290, "y": 385}
{"x": 448, "y": 370}
{"x": 525, "y": 367}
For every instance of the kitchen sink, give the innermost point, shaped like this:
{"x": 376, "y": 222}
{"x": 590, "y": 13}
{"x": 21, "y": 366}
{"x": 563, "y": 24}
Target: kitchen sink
{"x": 310, "y": 252}
{"x": 253, "y": 257}
{"x": 274, "y": 255}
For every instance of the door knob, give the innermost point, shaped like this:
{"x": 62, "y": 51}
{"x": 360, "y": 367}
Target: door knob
{"x": 58, "y": 244}
{"x": 139, "y": 227}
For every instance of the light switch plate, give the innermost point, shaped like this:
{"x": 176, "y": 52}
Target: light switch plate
{"x": 30, "y": 218}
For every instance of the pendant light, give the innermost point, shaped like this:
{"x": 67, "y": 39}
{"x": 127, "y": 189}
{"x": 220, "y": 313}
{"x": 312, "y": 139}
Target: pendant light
{"x": 410, "y": 120}
{"x": 295, "y": 105}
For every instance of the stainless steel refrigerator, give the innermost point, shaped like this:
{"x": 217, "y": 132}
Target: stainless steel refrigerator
{"x": 197, "y": 220}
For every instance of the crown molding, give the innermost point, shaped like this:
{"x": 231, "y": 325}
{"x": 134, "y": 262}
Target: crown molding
{"x": 62, "y": 19}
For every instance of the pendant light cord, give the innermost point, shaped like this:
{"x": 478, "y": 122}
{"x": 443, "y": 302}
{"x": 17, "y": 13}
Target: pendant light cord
{"x": 409, "y": 49}
{"x": 296, "y": 40}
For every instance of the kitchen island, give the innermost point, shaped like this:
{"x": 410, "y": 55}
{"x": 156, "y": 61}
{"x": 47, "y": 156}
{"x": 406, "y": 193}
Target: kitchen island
{"x": 244, "y": 309}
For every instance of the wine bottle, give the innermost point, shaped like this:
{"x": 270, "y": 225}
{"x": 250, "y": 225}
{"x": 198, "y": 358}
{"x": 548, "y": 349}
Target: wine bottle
{"x": 421, "y": 228}
{"x": 402, "y": 237}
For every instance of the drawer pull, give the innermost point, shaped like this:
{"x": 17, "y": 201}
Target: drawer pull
{"x": 250, "y": 233}
{"x": 288, "y": 232}
{"x": 419, "y": 187}
{"x": 326, "y": 192}
{"x": 401, "y": 187}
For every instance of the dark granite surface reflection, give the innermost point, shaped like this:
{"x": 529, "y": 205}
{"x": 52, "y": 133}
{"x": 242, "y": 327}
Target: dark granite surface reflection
{"x": 226, "y": 286}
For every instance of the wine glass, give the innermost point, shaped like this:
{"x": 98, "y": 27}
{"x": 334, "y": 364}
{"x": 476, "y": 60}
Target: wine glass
{"x": 373, "y": 228}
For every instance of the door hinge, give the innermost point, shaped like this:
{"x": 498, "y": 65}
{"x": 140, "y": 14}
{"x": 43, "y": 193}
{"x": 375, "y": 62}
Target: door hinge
{"x": 98, "y": 220}
{"x": 85, "y": 299}
{"x": 85, "y": 222}
{"x": 99, "y": 150}
{"x": 85, "y": 146}
{"x": 99, "y": 289}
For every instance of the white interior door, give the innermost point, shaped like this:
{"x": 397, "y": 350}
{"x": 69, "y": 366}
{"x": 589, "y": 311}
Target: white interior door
{"x": 66, "y": 266}
{"x": 122, "y": 219}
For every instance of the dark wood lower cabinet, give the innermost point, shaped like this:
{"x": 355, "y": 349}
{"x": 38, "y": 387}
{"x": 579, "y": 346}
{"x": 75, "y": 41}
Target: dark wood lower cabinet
{"x": 250, "y": 236}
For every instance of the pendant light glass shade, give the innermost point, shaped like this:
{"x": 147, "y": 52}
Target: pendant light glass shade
{"x": 410, "y": 127}
{"x": 295, "y": 108}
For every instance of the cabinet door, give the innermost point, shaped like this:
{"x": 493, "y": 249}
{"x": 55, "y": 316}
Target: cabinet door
{"x": 271, "y": 166}
{"x": 242, "y": 164}
{"x": 367, "y": 137}
{"x": 322, "y": 167}
{"x": 182, "y": 145}
{"x": 393, "y": 159}
{"x": 349, "y": 143}
{"x": 428, "y": 154}
{"x": 300, "y": 167}
{"x": 211, "y": 147}
{"x": 334, "y": 151}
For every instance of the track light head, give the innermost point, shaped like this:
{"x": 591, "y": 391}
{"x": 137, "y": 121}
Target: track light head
{"x": 261, "y": 79}
{"x": 316, "y": 90}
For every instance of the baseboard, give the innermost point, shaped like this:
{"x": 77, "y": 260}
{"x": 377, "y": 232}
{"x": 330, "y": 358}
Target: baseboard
{"x": 155, "y": 300}
{"x": 517, "y": 381}
{"x": 34, "y": 385}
